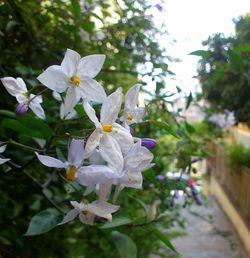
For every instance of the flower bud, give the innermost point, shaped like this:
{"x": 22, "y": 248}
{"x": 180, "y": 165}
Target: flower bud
{"x": 149, "y": 143}
{"x": 21, "y": 109}
{"x": 160, "y": 178}
{"x": 198, "y": 199}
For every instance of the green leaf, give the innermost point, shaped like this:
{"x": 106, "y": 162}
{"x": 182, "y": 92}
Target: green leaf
{"x": 236, "y": 60}
{"x": 43, "y": 222}
{"x": 160, "y": 235}
{"x": 189, "y": 100}
{"x": 242, "y": 49}
{"x": 189, "y": 128}
{"x": 76, "y": 8}
{"x": 124, "y": 244}
{"x": 201, "y": 53}
{"x": 7, "y": 113}
{"x": 18, "y": 127}
{"x": 116, "y": 222}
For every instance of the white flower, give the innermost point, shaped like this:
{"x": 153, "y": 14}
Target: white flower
{"x": 87, "y": 212}
{"x": 70, "y": 115}
{"x": 132, "y": 113}
{"x": 18, "y": 89}
{"x": 107, "y": 130}
{"x": 2, "y": 149}
{"x": 75, "y": 74}
{"x": 137, "y": 159}
{"x": 75, "y": 160}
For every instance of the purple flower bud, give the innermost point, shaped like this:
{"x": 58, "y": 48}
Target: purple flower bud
{"x": 132, "y": 131}
{"x": 176, "y": 194}
{"x": 160, "y": 178}
{"x": 21, "y": 109}
{"x": 148, "y": 143}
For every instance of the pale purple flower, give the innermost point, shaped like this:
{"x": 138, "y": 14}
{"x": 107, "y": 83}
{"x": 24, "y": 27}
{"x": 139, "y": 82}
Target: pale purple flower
{"x": 18, "y": 89}
{"x": 88, "y": 211}
{"x": 76, "y": 75}
{"x": 21, "y": 109}
{"x": 72, "y": 165}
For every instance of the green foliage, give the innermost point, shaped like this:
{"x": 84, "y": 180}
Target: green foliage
{"x": 43, "y": 222}
{"x": 224, "y": 72}
{"x": 238, "y": 156}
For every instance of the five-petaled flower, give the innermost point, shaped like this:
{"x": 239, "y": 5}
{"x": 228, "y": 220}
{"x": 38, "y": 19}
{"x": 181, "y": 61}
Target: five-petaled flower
{"x": 88, "y": 211}
{"x": 75, "y": 74}
{"x": 74, "y": 162}
{"x": 18, "y": 89}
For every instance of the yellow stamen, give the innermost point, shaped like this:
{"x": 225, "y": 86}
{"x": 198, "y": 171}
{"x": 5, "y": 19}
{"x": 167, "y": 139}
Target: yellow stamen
{"x": 75, "y": 80}
{"x": 130, "y": 117}
{"x": 70, "y": 173}
{"x": 107, "y": 128}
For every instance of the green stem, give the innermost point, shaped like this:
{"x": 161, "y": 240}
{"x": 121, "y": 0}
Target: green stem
{"x": 24, "y": 146}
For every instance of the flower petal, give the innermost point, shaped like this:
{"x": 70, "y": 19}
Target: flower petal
{"x": 131, "y": 98}
{"x": 3, "y": 161}
{"x": 2, "y": 148}
{"x": 138, "y": 114}
{"x": 92, "y": 143}
{"x": 50, "y": 162}
{"x": 14, "y": 86}
{"x": 111, "y": 152}
{"x": 75, "y": 155}
{"x": 90, "y": 66}
{"x": 102, "y": 209}
{"x": 71, "y": 100}
{"x": 55, "y": 79}
{"x": 70, "y": 62}
{"x": 123, "y": 137}
{"x": 111, "y": 107}
{"x": 92, "y": 90}
{"x": 138, "y": 158}
{"x": 72, "y": 214}
{"x": 132, "y": 179}
{"x": 91, "y": 113}
{"x": 37, "y": 109}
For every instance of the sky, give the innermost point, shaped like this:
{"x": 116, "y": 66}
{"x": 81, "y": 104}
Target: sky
{"x": 189, "y": 22}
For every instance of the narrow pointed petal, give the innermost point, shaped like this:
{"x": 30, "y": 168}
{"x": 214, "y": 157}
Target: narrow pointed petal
{"x": 90, "y": 66}
{"x": 131, "y": 98}
{"x": 14, "y": 86}
{"x": 72, "y": 214}
{"x": 92, "y": 90}
{"x": 123, "y": 137}
{"x": 2, "y": 148}
{"x": 55, "y": 79}
{"x": 3, "y": 161}
{"x": 111, "y": 152}
{"x": 75, "y": 155}
{"x": 138, "y": 114}
{"x": 92, "y": 142}
{"x": 111, "y": 107}
{"x": 91, "y": 113}
{"x": 50, "y": 162}
{"x": 71, "y": 100}
{"x": 105, "y": 190}
{"x": 37, "y": 109}
{"x": 70, "y": 62}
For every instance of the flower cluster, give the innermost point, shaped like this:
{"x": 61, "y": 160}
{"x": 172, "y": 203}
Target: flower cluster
{"x": 110, "y": 156}
{"x": 223, "y": 120}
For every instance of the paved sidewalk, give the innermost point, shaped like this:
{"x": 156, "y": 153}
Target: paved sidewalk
{"x": 209, "y": 234}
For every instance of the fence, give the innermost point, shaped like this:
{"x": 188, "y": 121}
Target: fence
{"x": 235, "y": 183}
